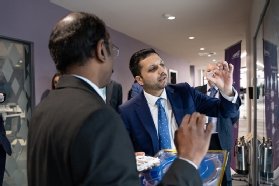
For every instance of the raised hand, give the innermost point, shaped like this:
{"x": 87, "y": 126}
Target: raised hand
{"x": 191, "y": 139}
{"x": 221, "y": 74}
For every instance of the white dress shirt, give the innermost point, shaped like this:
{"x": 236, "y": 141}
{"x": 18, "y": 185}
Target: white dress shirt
{"x": 214, "y": 119}
{"x": 100, "y": 91}
{"x": 151, "y": 100}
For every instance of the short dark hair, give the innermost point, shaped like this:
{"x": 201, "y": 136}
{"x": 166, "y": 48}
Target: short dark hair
{"x": 74, "y": 41}
{"x": 137, "y": 57}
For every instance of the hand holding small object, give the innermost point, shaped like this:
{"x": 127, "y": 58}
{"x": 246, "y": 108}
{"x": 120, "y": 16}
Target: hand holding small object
{"x": 221, "y": 75}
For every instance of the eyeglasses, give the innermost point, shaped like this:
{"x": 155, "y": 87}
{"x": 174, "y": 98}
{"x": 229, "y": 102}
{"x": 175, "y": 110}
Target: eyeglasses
{"x": 115, "y": 51}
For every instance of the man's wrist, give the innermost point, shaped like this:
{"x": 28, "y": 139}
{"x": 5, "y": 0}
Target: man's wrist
{"x": 230, "y": 98}
{"x": 229, "y": 92}
{"x": 189, "y": 161}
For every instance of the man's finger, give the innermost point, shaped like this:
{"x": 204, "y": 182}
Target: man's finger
{"x": 226, "y": 66}
{"x": 208, "y": 130}
{"x": 201, "y": 122}
{"x": 231, "y": 67}
{"x": 194, "y": 119}
{"x": 185, "y": 120}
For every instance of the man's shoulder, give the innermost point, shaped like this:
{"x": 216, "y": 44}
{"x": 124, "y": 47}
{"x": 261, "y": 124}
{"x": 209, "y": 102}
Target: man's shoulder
{"x": 202, "y": 88}
{"x": 136, "y": 86}
{"x": 132, "y": 103}
{"x": 198, "y": 87}
{"x": 178, "y": 87}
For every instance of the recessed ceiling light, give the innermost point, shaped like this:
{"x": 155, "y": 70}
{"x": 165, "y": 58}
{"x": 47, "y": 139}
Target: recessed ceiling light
{"x": 191, "y": 37}
{"x": 168, "y": 16}
{"x": 171, "y": 18}
{"x": 213, "y": 60}
{"x": 209, "y": 55}
{"x": 201, "y": 48}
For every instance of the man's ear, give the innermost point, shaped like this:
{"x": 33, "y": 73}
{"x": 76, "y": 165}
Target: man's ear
{"x": 139, "y": 80}
{"x": 100, "y": 53}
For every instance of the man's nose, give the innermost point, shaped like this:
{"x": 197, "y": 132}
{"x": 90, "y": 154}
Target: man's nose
{"x": 161, "y": 69}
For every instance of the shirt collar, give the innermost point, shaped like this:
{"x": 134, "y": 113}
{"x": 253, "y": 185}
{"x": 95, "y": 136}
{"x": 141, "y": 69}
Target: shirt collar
{"x": 100, "y": 91}
{"x": 152, "y": 99}
{"x": 208, "y": 87}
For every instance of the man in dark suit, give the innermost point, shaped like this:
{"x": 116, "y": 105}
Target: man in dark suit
{"x": 222, "y": 131}
{"x": 75, "y": 138}
{"x": 114, "y": 94}
{"x": 141, "y": 116}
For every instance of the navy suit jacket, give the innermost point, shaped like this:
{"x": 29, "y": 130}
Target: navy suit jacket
{"x": 184, "y": 99}
{"x": 224, "y": 128}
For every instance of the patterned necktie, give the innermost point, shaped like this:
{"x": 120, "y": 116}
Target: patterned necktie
{"x": 212, "y": 93}
{"x": 163, "y": 127}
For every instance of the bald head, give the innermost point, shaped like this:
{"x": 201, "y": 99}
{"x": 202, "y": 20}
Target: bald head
{"x": 209, "y": 72}
{"x": 74, "y": 39}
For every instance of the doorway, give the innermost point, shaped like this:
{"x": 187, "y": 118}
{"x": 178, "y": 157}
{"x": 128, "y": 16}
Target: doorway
{"x": 16, "y": 82}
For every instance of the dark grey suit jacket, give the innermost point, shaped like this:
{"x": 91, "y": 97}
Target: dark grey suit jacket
{"x": 114, "y": 94}
{"x": 76, "y": 139}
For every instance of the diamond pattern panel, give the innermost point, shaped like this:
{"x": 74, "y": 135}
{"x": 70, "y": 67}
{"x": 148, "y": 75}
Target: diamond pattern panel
{"x": 27, "y": 86}
{"x": 15, "y": 77}
{"x": 15, "y": 86}
{"x": 22, "y": 101}
{"x": 7, "y": 69}
{"x": 15, "y": 54}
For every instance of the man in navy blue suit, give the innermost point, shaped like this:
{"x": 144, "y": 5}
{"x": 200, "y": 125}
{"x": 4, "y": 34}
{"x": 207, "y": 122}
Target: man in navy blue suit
{"x": 140, "y": 114}
{"x": 221, "y": 138}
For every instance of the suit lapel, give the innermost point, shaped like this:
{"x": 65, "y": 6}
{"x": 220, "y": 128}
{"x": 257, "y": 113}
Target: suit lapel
{"x": 146, "y": 119}
{"x": 176, "y": 104}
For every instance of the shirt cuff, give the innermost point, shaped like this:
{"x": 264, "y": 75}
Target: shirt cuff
{"x": 231, "y": 98}
{"x": 189, "y": 161}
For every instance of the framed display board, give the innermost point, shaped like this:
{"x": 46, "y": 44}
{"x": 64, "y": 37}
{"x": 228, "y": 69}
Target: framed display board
{"x": 212, "y": 167}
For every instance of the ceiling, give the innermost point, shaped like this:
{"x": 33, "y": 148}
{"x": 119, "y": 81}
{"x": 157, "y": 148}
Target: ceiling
{"x": 215, "y": 24}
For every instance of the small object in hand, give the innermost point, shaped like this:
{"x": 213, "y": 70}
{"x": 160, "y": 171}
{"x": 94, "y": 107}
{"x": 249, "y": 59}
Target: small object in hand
{"x": 210, "y": 74}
